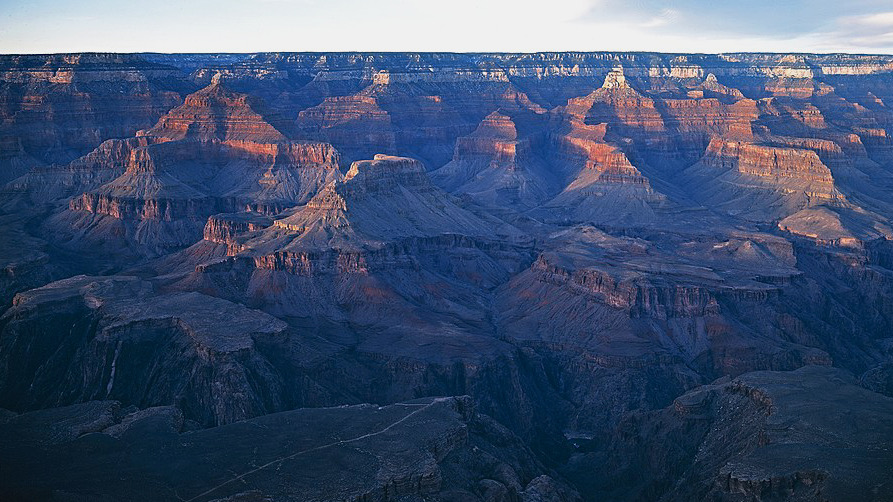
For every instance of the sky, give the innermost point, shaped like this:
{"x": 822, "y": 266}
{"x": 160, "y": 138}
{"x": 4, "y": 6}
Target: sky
{"x": 44, "y": 26}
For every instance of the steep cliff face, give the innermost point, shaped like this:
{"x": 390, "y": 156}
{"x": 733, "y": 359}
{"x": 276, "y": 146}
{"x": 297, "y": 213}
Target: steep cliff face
{"x": 738, "y": 438}
{"x": 356, "y": 125}
{"x": 213, "y": 154}
{"x": 122, "y": 336}
{"x": 436, "y": 447}
{"x": 497, "y": 166}
{"x": 59, "y": 107}
{"x": 772, "y": 163}
{"x": 694, "y": 122}
{"x": 225, "y": 227}
{"x": 579, "y": 242}
{"x": 762, "y": 182}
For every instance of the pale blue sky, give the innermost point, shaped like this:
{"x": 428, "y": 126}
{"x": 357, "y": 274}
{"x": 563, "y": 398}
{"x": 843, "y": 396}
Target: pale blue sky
{"x": 446, "y": 25}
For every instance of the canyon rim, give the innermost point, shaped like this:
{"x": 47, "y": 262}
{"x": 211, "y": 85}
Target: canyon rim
{"x": 441, "y": 276}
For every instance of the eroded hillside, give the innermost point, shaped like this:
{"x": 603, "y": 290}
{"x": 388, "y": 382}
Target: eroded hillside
{"x": 538, "y": 277}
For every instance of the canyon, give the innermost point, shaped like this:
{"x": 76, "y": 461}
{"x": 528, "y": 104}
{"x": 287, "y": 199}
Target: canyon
{"x": 446, "y": 277}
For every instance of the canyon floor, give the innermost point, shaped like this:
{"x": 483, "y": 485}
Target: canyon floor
{"x": 446, "y": 277}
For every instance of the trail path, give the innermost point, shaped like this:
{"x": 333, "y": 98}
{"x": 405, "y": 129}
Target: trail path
{"x": 422, "y": 407}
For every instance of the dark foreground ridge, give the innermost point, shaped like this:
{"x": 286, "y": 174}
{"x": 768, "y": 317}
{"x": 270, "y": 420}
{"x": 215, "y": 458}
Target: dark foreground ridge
{"x": 558, "y": 276}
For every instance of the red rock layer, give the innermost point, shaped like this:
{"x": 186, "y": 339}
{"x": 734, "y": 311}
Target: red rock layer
{"x": 774, "y": 164}
{"x": 583, "y": 148}
{"x": 617, "y": 104}
{"x": 638, "y": 295}
{"x": 145, "y": 190}
{"x": 216, "y": 113}
{"x": 495, "y": 142}
{"x": 694, "y": 119}
{"x": 56, "y": 108}
{"x": 214, "y": 153}
{"x": 356, "y": 125}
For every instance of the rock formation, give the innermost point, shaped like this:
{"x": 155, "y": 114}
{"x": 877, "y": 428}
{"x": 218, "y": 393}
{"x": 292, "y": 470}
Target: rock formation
{"x": 59, "y": 107}
{"x": 434, "y": 447}
{"x": 215, "y": 153}
{"x": 559, "y": 276}
{"x": 764, "y": 435}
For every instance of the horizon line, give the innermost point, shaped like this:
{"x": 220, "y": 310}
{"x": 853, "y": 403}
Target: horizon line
{"x": 470, "y": 53}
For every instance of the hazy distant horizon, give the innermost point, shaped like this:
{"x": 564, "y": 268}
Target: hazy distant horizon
{"x": 520, "y": 26}
{"x": 597, "y": 51}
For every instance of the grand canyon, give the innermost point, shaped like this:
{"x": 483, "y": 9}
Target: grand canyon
{"x": 534, "y": 277}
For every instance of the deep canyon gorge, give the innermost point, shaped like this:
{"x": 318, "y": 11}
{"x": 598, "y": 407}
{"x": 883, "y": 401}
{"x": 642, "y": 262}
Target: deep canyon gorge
{"x": 446, "y": 277}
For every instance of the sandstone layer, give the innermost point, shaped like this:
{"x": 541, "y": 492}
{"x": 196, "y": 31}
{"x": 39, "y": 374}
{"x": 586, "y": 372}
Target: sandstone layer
{"x": 643, "y": 276}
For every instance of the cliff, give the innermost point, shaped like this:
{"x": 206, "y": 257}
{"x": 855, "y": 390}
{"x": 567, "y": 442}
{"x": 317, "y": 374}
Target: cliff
{"x": 213, "y": 154}
{"x": 215, "y": 112}
{"x": 633, "y": 264}
{"x": 356, "y": 125}
{"x": 498, "y": 167}
{"x": 59, "y": 107}
{"x": 768, "y": 416}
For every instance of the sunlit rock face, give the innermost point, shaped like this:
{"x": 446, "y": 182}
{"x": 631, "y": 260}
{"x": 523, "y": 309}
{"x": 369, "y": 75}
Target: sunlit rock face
{"x": 420, "y": 276}
{"x": 57, "y": 108}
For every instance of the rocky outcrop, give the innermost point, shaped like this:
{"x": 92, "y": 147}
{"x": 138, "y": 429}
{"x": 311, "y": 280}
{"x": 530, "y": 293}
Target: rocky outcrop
{"x": 352, "y": 242}
{"x": 108, "y": 161}
{"x": 830, "y": 228}
{"x": 711, "y": 87}
{"x": 665, "y": 129}
{"x": 494, "y": 138}
{"x": 694, "y": 122}
{"x": 498, "y": 167}
{"x": 379, "y": 200}
{"x": 213, "y": 154}
{"x": 59, "y": 107}
{"x": 771, "y": 163}
{"x": 755, "y": 437}
{"x": 601, "y": 236}
{"x": 583, "y": 147}
{"x": 601, "y": 184}
{"x": 356, "y": 125}
{"x": 383, "y": 174}
{"x": 224, "y": 228}
{"x": 763, "y": 182}
{"x": 618, "y": 104}
{"x": 129, "y": 344}
{"x": 427, "y": 447}
{"x": 215, "y": 112}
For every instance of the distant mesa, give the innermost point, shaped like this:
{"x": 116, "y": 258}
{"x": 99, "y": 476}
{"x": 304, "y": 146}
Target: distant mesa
{"x": 615, "y": 79}
{"x": 557, "y": 276}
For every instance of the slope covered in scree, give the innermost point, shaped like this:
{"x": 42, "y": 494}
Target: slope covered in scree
{"x": 557, "y": 276}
